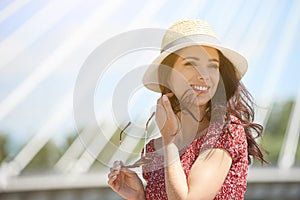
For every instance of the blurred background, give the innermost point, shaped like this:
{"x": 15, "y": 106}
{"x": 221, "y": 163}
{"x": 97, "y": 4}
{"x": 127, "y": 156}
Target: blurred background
{"x": 44, "y": 154}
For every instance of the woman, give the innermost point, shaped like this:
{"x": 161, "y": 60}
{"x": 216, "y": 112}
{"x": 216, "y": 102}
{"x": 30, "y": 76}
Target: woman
{"x": 205, "y": 117}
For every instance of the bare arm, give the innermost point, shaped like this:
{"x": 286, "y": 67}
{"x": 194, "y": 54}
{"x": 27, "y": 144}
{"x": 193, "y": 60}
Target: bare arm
{"x": 208, "y": 172}
{"x": 206, "y": 176}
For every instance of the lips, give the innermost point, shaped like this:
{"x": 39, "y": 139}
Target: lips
{"x": 200, "y": 88}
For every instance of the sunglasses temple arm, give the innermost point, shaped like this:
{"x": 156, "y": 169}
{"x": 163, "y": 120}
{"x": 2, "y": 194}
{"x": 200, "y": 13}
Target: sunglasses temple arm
{"x": 120, "y": 139}
{"x": 145, "y": 140}
{"x": 146, "y": 133}
{"x": 152, "y": 115}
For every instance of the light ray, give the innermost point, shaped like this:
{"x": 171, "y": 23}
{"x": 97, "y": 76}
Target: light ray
{"x": 11, "y": 9}
{"x": 257, "y": 37}
{"x": 278, "y": 63}
{"x": 62, "y": 111}
{"x": 54, "y": 60}
{"x": 55, "y": 121}
{"x": 40, "y": 23}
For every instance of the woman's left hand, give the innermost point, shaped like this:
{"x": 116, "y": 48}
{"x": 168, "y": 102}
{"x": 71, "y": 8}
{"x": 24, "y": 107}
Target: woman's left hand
{"x": 125, "y": 182}
{"x": 166, "y": 119}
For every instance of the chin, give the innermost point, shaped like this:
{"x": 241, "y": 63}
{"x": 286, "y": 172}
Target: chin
{"x": 201, "y": 102}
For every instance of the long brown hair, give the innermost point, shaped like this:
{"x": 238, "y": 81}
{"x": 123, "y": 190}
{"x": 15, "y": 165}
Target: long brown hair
{"x": 238, "y": 99}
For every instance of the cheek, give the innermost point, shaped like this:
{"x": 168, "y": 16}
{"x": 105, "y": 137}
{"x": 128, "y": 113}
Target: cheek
{"x": 178, "y": 79}
{"x": 215, "y": 80}
{"x": 215, "y": 77}
{"x": 177, "y": 83}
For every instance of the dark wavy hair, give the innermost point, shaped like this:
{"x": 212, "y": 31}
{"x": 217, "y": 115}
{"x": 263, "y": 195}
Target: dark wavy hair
{"x": 239, "y": 101}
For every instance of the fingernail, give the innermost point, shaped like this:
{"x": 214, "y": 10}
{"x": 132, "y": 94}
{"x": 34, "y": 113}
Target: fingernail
{"x": 165, "y": 98}
{"x": 116, "y": 163}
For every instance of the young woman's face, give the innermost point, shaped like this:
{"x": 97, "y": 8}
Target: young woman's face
{"x": 195, "y": 75}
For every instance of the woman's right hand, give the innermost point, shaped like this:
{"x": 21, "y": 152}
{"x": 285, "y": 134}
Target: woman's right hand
{"x": 166, "y": 120}
{"x": 125, "y": 182}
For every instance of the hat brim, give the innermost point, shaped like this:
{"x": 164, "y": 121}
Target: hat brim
{"x": 150, "y": 78}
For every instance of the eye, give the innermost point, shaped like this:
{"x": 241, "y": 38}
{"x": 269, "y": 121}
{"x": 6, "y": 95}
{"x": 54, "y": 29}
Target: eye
{"x": 190, "y": 64}
{"x": 213, "y": 65}
{"x": 187, "y": 64}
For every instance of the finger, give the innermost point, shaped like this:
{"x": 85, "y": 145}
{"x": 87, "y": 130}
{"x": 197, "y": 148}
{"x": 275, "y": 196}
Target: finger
{"x": 128, "y": 173}
{"x": 111, "y": 175}
{"x": 159, "y": 106}
{"x": 167, "y": 105}
{"x": 114, "y": 172}
{"x": 111, "y": 180}
{"x": 116, "y": 166}
{"x": 159, "y": 101}
{"x": 169, "y": 95}
{"x": 114, "y": 169}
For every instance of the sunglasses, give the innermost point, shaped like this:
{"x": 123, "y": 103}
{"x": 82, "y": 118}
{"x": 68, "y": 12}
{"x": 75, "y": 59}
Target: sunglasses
{"x": 143, "y": 160}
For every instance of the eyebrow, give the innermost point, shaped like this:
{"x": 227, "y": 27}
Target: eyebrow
{"x": 195, "y": 58}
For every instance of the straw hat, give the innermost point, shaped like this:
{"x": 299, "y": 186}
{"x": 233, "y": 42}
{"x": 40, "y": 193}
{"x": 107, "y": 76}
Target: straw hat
{"x": 188, "y": 33}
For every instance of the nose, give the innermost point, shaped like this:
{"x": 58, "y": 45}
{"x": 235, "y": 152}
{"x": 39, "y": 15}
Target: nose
{"x": 202, "y": 73}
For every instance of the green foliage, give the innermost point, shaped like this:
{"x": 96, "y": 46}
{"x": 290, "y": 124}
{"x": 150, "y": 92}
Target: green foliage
{"x": 44, "y": 160}
{"x": 110, "y": 147}
{"x": 275, "y": 129}
{"x": 3, "y": 148}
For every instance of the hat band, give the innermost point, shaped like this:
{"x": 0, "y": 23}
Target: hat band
{"x": 196, "y": 39}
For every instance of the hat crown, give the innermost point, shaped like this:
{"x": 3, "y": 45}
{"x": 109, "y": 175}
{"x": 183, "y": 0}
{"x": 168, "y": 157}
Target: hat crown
{"x": 186, "y": 28}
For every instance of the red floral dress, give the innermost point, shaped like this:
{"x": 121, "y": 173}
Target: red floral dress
{"x": 233, "y": 139}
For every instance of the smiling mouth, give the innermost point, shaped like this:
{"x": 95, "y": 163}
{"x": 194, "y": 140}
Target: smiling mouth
{"x": 200, "y": 89}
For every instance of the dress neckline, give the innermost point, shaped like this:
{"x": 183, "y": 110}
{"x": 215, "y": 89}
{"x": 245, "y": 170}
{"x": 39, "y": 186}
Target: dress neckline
{"x": 184, "y": 149}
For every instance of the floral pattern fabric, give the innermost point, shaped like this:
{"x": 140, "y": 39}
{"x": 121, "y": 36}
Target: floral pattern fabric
{"x": 232, "y": 139}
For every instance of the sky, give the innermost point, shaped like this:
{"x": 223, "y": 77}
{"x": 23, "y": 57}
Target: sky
{"x": 44, "y": 45}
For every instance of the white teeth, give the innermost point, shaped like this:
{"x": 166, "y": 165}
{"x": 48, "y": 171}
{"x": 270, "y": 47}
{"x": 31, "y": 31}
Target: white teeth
{"x": 201, "y": 88}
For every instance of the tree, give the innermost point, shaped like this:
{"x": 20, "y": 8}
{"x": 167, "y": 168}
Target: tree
{"x": 3, "y": 147}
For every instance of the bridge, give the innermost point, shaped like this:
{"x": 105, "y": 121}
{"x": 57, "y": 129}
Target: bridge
{"x": 46, "y": 45}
